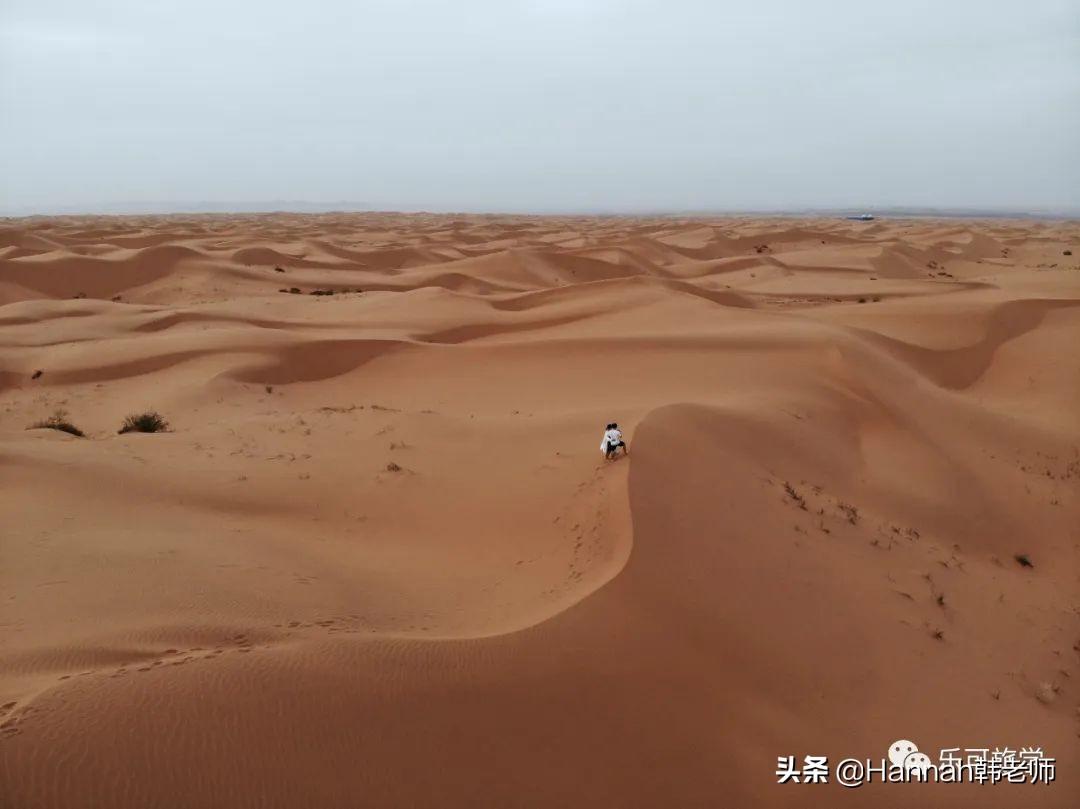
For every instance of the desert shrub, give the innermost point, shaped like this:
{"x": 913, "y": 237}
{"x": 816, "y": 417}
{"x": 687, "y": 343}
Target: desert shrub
{"x": 150, "y": 422}
{"x": 58, "y": 421}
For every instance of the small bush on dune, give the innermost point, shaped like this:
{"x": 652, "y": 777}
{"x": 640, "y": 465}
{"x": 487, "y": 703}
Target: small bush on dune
{"x": 58, "y": 421}
{"x": 151, "y": 422}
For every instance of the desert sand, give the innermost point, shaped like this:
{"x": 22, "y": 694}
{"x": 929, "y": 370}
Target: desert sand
{"x": 378, "y": 560}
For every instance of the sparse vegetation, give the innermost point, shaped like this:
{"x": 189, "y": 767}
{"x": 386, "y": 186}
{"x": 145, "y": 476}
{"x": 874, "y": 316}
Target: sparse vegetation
{"x": 149, "y": 422}
{"x": 794, "y": 495}
{"x": 1023, "y": 560}
{"x": 36, "y": 374}
{"x": 850, "y": 511}
{"x": 58, "y": 421}
{"x": 392, "y": 467}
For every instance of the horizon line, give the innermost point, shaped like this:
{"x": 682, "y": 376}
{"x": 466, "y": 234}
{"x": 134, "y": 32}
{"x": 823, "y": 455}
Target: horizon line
{"x": 280, "y": 206}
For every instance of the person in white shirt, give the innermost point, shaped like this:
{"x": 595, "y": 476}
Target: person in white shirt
{"x": 612, "y": 441}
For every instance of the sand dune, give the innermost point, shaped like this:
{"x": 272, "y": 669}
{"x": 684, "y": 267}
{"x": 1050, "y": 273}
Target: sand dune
{"x": 378, "y": 560}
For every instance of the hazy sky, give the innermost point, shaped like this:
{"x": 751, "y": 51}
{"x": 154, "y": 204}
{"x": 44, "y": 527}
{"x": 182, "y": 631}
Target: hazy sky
{"x": 541, "y": 105}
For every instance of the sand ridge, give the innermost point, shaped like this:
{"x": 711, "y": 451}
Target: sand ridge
{"x": 379, "y": 561}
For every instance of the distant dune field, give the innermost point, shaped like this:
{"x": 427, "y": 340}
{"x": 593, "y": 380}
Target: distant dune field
{"x": 378, "y": 561}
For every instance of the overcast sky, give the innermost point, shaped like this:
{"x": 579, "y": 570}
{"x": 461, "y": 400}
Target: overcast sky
{"x": 541, "y": 105}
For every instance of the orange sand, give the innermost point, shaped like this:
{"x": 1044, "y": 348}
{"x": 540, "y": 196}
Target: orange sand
{"x": 841, "y": 436}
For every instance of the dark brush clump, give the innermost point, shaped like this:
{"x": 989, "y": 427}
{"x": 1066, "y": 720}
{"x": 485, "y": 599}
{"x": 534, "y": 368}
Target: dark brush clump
{"x": 58, "y": 421}
{"x": 150, "y": 422}
{"x": 794, "y": 495}
{"x": 1023, "y": 560}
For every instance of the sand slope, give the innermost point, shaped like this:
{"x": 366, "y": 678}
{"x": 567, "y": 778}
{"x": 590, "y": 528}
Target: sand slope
{"x": 379, "y": 562}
